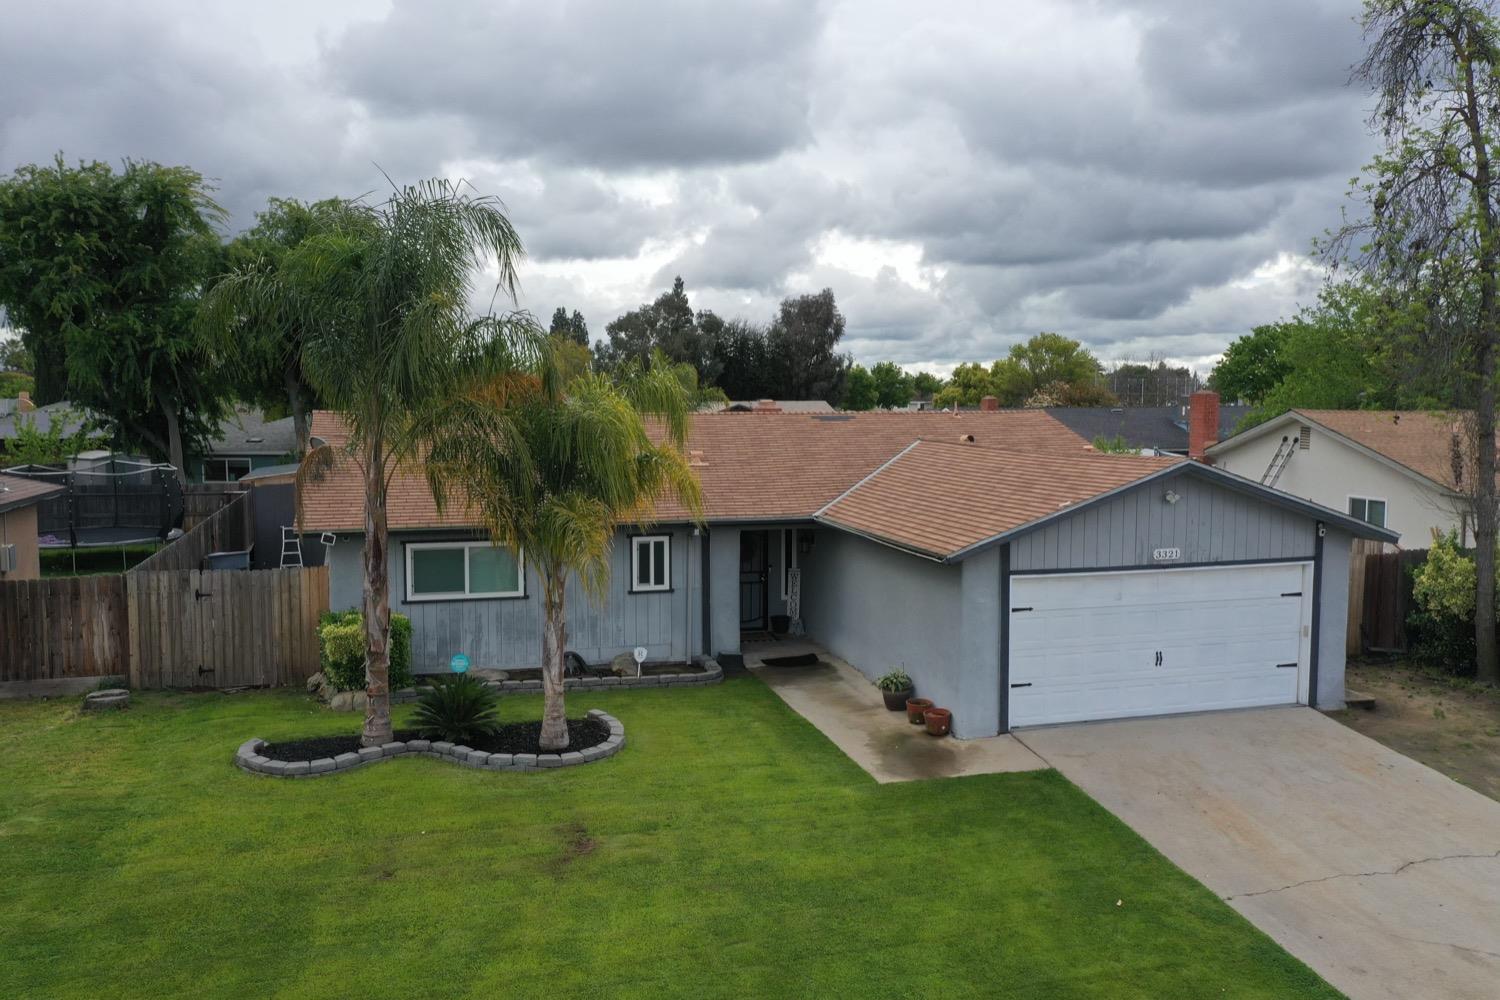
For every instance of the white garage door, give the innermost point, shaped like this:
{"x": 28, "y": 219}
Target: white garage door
{"x": 1111, "y": 645}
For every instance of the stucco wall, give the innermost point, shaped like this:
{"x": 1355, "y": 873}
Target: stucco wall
{"x": 506, "y": 633}
{"x": 1329, "y": 472}
{"x": 18, "y": 528}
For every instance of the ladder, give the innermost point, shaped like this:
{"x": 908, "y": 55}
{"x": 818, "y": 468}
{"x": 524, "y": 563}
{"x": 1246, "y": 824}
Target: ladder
{"x": 1279, "y": 461}
{"x": 291, "y": 547}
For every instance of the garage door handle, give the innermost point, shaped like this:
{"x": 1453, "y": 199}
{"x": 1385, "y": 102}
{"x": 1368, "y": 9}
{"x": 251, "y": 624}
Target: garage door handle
{"x": 1025, "y": 685}
{"x": 1292, "y": 593}
{"x": 1283, "y": 666}
{"x": 1017, "y": 610}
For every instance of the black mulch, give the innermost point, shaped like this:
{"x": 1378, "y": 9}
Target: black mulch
{"x": 515, "y": 737}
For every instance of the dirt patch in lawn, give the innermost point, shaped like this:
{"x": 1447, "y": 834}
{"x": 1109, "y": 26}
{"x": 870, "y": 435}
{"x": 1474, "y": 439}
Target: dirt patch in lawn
{"x": 1450, "y": 726}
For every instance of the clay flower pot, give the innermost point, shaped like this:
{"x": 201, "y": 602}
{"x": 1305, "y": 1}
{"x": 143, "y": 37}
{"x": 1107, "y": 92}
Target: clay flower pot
{"x": 914, "y": 709}
{"x": 938, "y": 720}
{"x": 895, "y": 701}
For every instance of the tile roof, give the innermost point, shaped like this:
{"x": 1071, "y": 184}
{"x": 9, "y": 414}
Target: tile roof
{"x": 1421, "y": 441}
{"x": 70, "y": 418}
{"x": 752, "y": 466}
{"x": 18, "y": 491}
{"x": 940, "y": 497}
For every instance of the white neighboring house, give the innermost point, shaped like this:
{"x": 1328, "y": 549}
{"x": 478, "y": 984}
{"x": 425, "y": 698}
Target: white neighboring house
{"x": 1398, "y": 469}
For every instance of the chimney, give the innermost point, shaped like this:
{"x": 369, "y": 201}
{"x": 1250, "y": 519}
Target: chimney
{"x": 23, "y": 402}
{"x": 1203, "y": 424}
{"x": 989, "y": 404}
{"x": 766, "y": 406}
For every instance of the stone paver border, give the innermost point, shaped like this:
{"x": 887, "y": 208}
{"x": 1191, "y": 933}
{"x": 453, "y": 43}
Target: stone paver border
{"x": 711, "y": 674}
{"x": 248, "y": 757}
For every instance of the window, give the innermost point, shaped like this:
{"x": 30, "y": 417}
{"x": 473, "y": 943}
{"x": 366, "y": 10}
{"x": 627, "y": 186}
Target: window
{"x": 1368, "y": 509}
{"x": 455, "y": 571}
{"x": 225, "y": 470}
{"x": 650, "y": 563}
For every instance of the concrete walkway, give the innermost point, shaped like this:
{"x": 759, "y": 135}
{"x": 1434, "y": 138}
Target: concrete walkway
{"x": 1380, "y": 873}
{"x": 848, "y": 709}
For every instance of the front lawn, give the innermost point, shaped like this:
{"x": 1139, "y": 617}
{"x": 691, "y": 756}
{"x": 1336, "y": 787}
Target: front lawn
{"x": 729, "y": 851}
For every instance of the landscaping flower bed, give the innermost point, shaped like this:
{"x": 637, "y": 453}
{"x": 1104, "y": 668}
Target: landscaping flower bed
{"x": 512, "y": 748}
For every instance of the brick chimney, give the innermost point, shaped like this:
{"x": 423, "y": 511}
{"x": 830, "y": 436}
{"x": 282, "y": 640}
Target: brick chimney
{"x": 766, "y": 406}
{"x": 989, "y": 404}
{"x": 1203, "y": 424}
{"x": 23, "y": 402}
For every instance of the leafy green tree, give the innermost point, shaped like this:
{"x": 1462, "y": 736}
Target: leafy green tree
{"x": 743, "y": 359}
{"x": 893, "y": 387}
{"x": 1252, "y": 365}
{"x": 802, "y": 344}
{"x": 925, "y": 385}
{"x": 101, "y": 272}
{"x": 558, "y": 467}
{"x": 1430, "y": 233}
{"x": 1049, "y": 360}
{"x": 860, "y": 392}
{"x": 15, "y": 357}
{"x": 381, "y": 294}
{"x": 969, "y": 383}
{"x": 572, "y": 327}
{"x": 667, "y": 325}
{"x": 53, "y": 446}
{"x": 12, "y": 384}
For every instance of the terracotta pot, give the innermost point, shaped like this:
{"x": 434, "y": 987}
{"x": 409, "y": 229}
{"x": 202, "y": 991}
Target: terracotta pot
{"x": 938, "y": 721}
{"x": 895, "y": 701}
{"x": 914, "y": 709}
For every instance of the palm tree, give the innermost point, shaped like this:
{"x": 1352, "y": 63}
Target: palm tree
{"x": 565, "y": 458}
{"x": 381, "y": 294}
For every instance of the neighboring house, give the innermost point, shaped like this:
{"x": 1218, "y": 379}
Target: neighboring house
{"x": 771, "y": 406}
{"x": 15, "y": 413}
{"x": 1392, "y": 468}
{"x": 1159, "y": 429}
{"x": 247, "y": 441}
{"x": 1018, "y": 576}
{"x": 18, "y": 527}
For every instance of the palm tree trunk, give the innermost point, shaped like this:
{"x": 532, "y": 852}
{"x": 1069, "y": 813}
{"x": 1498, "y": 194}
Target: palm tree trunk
{"x": 554, "y": 642}
{"x": 297, "y": 400}
{"x": 377, "y": 608}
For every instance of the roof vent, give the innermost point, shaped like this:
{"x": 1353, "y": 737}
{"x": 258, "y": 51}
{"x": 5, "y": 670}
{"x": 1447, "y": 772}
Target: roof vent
{"x": 695, "y": 458}
{"x": 966, "y": 438}
{"x": 255, "y": 440}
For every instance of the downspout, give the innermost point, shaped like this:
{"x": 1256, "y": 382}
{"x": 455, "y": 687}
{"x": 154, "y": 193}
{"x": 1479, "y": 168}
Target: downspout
{"x": 1317, "y": 614}
{"x": 1005, "y": 638}
{"x": 707, "y": 584}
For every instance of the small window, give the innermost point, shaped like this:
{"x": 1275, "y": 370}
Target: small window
{"x": 453, "y": 571}
{"x": 1369, "y": 510}
{"x": 225, "y": 470}
{"x": 650, "y": 563}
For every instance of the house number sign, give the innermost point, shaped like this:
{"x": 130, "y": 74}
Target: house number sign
{"x": 1166, "y": 555}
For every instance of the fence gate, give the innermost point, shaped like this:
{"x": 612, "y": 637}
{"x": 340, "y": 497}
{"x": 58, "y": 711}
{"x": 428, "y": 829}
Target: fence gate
{"x": 225, "y": 628}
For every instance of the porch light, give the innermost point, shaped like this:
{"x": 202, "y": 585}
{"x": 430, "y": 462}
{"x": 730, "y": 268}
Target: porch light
{"x": 804, "y": 542}
{"x": 1171, "y": 496}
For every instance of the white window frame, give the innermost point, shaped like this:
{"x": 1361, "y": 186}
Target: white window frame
{"x": 646, "y": 543}
{"x": 1386, "y": 506}
{"x": 223, "y": 466}
{"x": 467, "y": 595}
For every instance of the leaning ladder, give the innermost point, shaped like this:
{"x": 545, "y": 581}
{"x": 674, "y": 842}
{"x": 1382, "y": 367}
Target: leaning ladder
{"x": 291, "y": 547}
{"x": 1279, "y": 462}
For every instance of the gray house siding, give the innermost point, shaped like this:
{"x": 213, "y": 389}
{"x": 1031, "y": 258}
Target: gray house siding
{"x": 1210, "y": 524}
{"x": 506, "y": 633}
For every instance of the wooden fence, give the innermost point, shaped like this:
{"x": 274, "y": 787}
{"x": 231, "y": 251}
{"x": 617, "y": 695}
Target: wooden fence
{"x": 165, "y": 628}
{"x": 228, "y": 529}
{"x": 1380, "y": 583}
{"x": 200, "y": 501}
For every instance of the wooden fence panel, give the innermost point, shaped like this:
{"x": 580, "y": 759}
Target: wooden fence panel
{"x": 228, "y": 529}
{"x": 67, "y": 627}
{"x": 1380, "y": 587}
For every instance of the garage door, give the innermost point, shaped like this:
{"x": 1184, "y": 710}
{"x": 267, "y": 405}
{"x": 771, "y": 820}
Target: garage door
{"x": 1111, "y": 645}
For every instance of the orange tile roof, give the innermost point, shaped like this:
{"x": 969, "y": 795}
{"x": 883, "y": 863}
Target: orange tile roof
{"x": 1420, "y": 440}
{"x": 752, "y": 466}
{"x": 939, "y": 498}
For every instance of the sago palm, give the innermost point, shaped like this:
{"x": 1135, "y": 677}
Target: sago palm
{"x": 565, "y": 461}
{"x": 381, "y": 293}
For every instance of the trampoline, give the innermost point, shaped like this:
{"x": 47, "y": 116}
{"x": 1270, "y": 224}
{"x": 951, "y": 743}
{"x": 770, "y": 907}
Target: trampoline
{"x": 111, "y": 503}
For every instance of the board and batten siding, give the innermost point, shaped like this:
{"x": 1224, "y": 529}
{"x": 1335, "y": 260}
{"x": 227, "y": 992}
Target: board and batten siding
{"x": 506, "y": 633}
{"x": 1209, "y": 523}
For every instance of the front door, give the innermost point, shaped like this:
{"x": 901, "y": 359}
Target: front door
{"x": 753, "y": 562}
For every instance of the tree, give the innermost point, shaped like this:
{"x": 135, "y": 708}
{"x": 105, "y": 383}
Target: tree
{"x": 265, "y": 350}
{"x": 667, "y": 325}
{"x": 860, "y": 391}
{"x": 926, "y": 385}
{"x": 1044, "y": 361}
{"x": 381, "y": 294}
{"x": 16, "y": 357}
{"x": 969, "y": 383}
{"x": 561, "y": 464}
{"x": 893, "y": 387}
{"x": 52, "y": 446}
{"x": 1430, "y": 231}
{"x": 802, "y": 345}
{"x": 742, "y": 357}
{"x": 101, "y": 272}
{"x": 1252, "y": 365}
{"x": 570, "y": 327}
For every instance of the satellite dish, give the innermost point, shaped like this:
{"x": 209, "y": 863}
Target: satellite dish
{"x": 640, "y": 657}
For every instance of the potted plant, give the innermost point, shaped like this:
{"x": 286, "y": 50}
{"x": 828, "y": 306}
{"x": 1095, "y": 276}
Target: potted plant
{"x": 914, "y": 709}
{"x": 895, "y": 687}
{"x": 938, "y": 720}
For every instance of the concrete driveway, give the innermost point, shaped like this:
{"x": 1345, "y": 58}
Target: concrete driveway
{"x": 1378, "y": 872}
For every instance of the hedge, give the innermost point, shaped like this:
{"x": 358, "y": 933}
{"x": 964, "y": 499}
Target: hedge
{"x": 341, "y": 649}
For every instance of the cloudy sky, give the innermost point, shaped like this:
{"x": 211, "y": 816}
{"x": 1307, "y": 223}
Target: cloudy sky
{"x": 1143, "y": 175}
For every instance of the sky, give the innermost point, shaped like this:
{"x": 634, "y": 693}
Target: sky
{"x": 1146, "y": 176}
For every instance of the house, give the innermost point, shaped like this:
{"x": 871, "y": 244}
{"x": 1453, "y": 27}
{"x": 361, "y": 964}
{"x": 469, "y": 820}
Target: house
{"x": 771, "y": 406}
{"x": 1018, "y": 576}
{"x": 247, "y": 441}
{"x": 1161, "y": 430}
{"x": 1397, "y": 469}
{"x": 22, "y": 412}
{"x": 18, "y": 526}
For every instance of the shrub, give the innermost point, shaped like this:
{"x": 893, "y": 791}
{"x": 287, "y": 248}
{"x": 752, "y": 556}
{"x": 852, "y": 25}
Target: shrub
{"x": 1442, "y": 620}
{"x": 457, "y": 708}
{"x": 896, "y": 680}
{"x": 341, "y": 650}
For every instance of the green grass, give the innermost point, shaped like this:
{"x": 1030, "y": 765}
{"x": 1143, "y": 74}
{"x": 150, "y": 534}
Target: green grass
{"x": 728, "y": 851}
{"x": 94, "y": 561}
